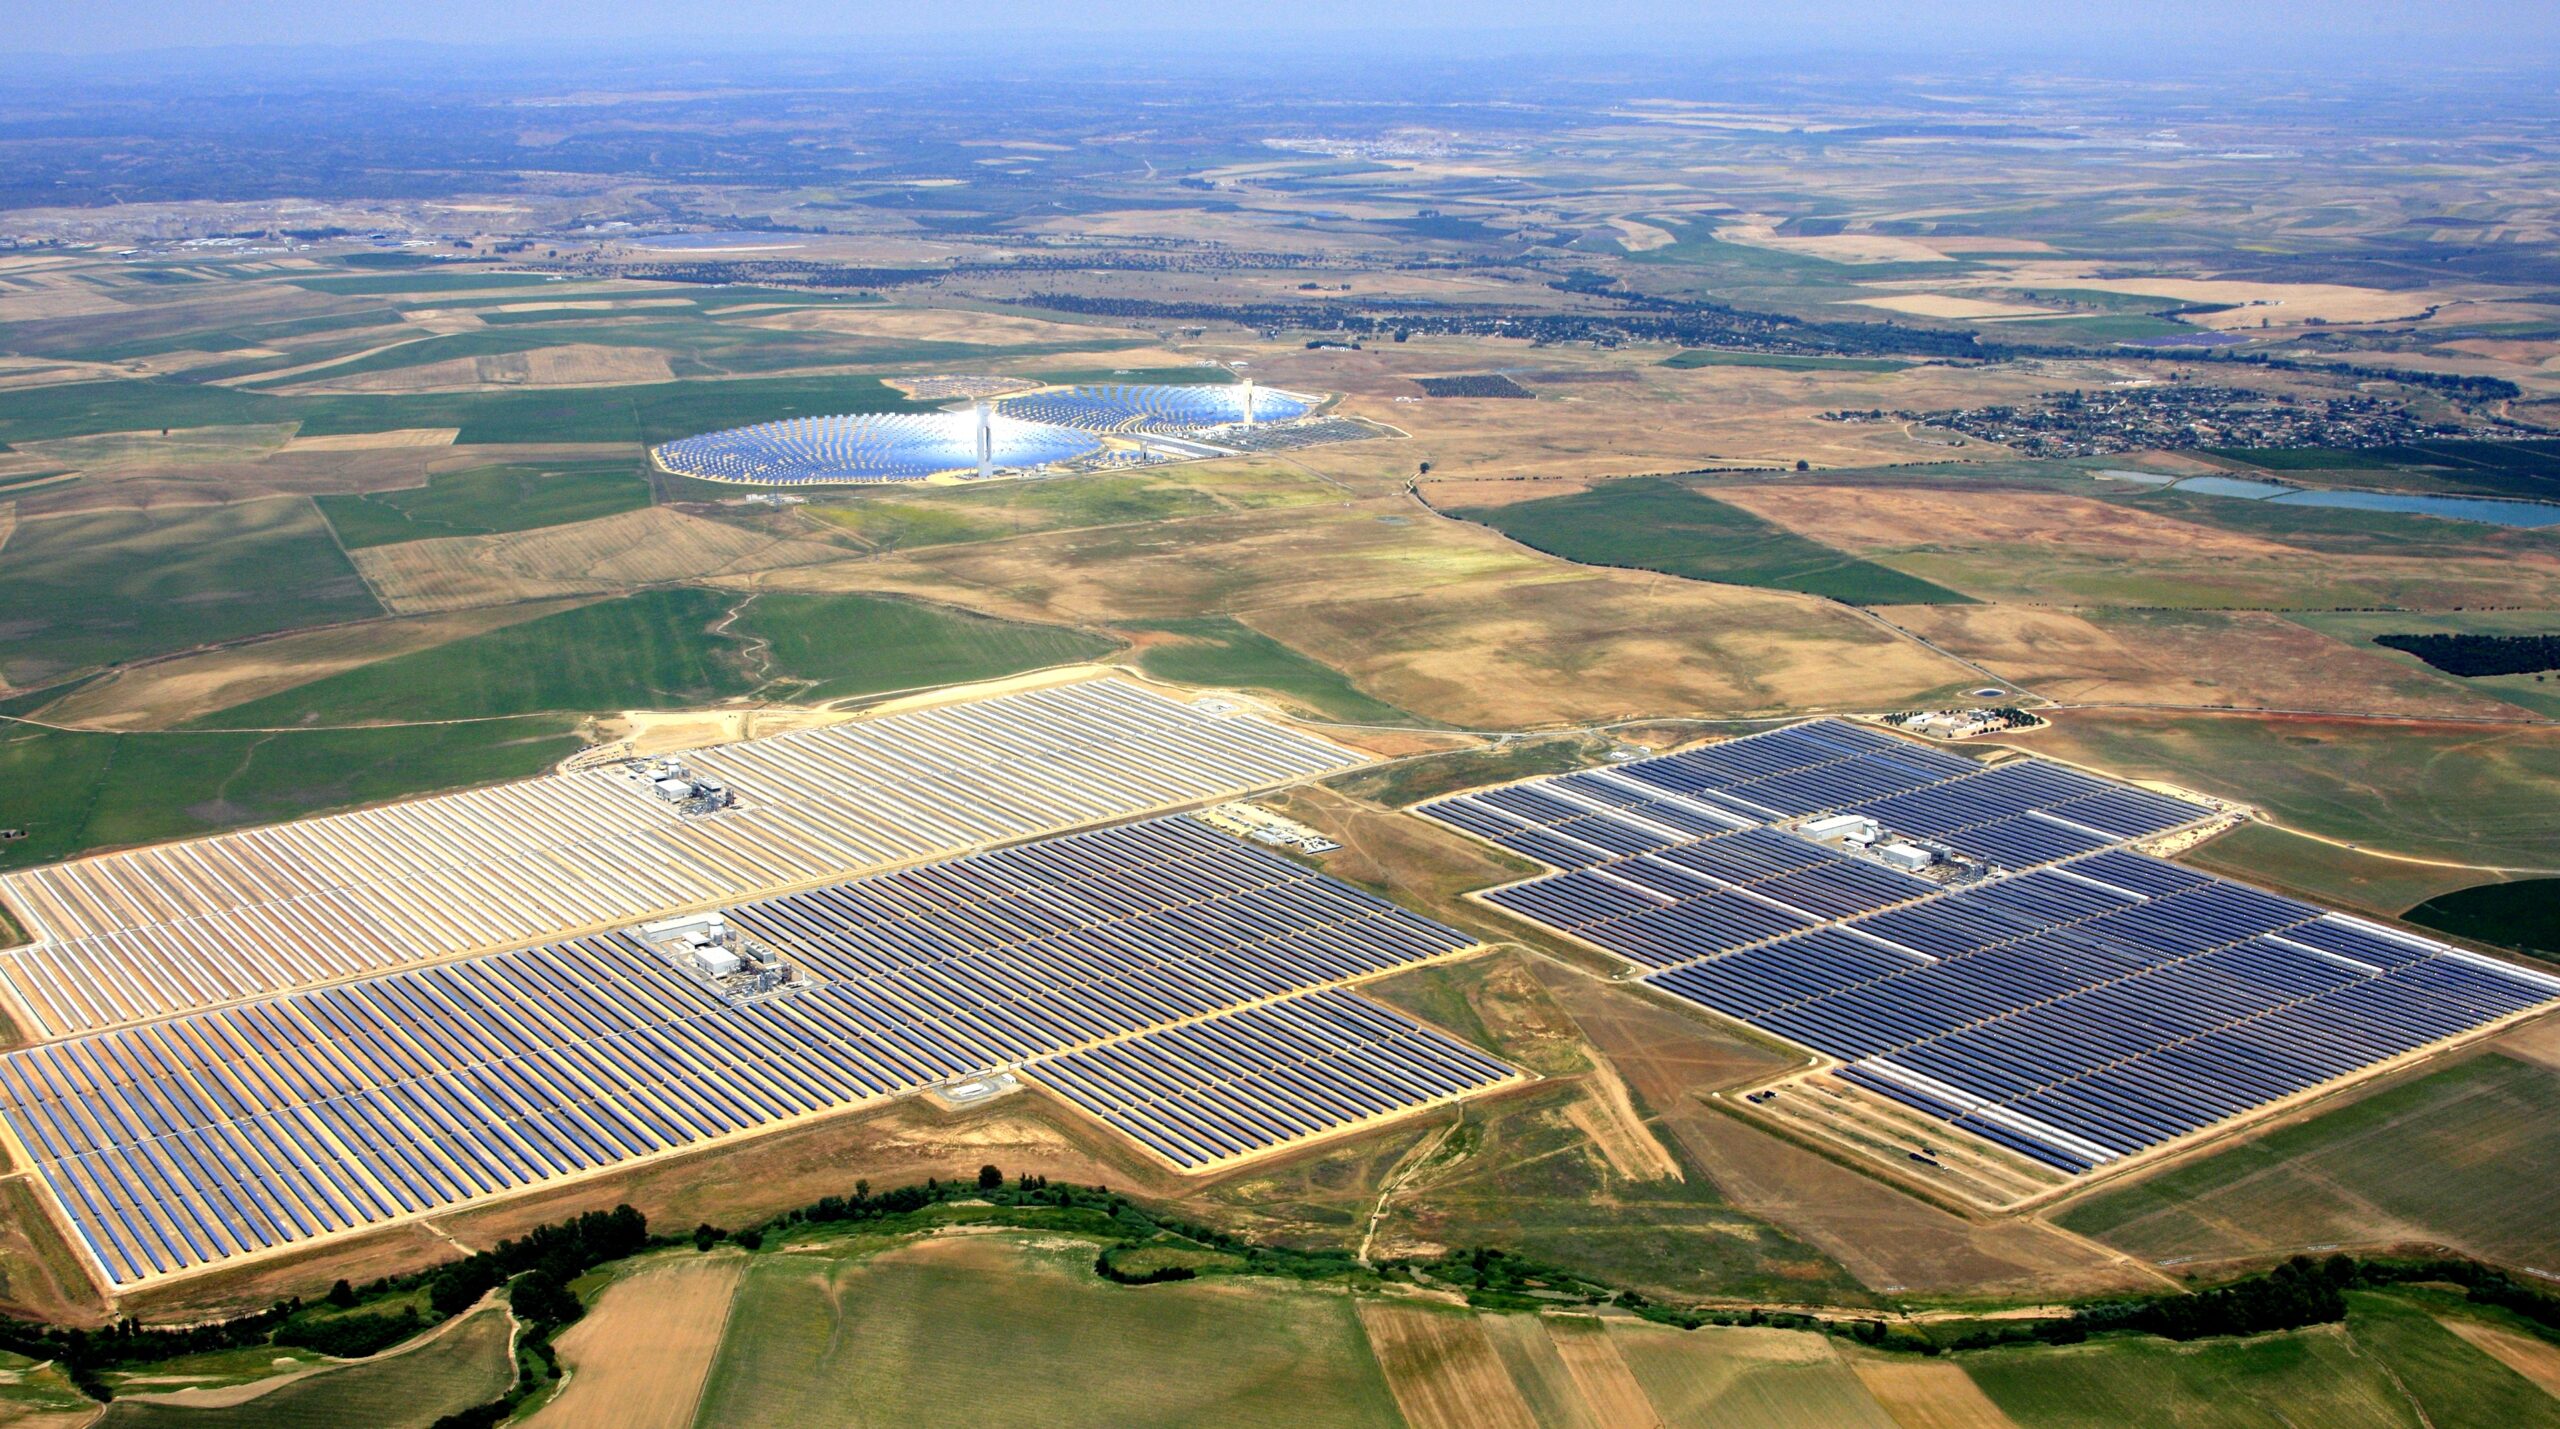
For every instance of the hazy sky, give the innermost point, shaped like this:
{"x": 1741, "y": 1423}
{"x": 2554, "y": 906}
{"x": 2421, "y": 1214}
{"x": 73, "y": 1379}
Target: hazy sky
{"x": 2075, "y": 31}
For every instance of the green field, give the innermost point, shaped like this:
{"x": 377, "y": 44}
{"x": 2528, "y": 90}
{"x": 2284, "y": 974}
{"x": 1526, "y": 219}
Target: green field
{"x": 1654, "y": 524}
{"x": 98, "y": 588}
{"x": 2524, "y": 915}
{"x": 1730, "y": 1377}
{"x": 2538, "y": 693}
{"x": 485, "y": 500}
{"x": 2438, "y": 791}
{"x": 77, "y": 792}
{"x": 659, "y": 649}
{"x": 467, "y": 1365}
{"x": 2311, "y": 1377}
{"x": 2464, "y": 1156}
{"x": 1712, "y": 357}
{"x": 653, "y": 650}
{"x": 1011, "y": 1329}
{"x": 653, "y": 412}
{"x": 1214, "y": 650}
{"x": 951, "y": 515}
{"x": 859, "y": 645}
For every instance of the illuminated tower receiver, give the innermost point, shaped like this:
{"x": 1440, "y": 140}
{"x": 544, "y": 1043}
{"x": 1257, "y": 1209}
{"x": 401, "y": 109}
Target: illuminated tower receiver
{"x": 1248, "y": 401}
{"x": 986, "y": 444}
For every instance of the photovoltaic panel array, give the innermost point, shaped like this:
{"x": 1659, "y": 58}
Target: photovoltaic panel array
{"x": 2080, "y": 1013}
{"x": 188, "y": 1142}
{"x": 1698, "y": 899}
{"x": 1244, "y": 1082}
{"x": 164, "y": 929}
{"x": 2027, "y": 813}
{"x": 1577, "y": 820}
{"x": 2095, "y": 1004}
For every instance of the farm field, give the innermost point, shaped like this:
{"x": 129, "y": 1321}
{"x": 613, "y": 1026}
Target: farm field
{"x": 2461, "y": 1157}
{"x": 2524, "y": 915}
{"x": 2158, "y": 550}
{"x": 89, "y": 590}
{"x": 486, "y": 500}
{"x": 1218, "y": 651}
{"x": 952, "y": 1331}
{"x": 93, "y": 791}
{"x": 671, "y": 648}
{"x": 2439, "y": 791}
{"x": 1663, "y": 526}
{"x": 408, "y": 1388}
{"x": 640, "y": 1358}
{"x": 2243, "y": 659}
{"x": 1444, "y": 620}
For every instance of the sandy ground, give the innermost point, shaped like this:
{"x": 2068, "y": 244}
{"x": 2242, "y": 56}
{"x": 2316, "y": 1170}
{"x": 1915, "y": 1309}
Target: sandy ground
{"x": 642, "y": 1354}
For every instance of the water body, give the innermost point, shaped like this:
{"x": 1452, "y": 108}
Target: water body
{"x": 2528, "y": 514}
{"x": 2241, "y": 487}
{"x": 2489, "y": 510}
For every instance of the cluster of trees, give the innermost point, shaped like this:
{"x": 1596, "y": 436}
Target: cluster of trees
{"x": 2472, "y": 655}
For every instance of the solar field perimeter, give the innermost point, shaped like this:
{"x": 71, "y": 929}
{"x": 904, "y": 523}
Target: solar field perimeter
{"x": 2072, "y": 1001}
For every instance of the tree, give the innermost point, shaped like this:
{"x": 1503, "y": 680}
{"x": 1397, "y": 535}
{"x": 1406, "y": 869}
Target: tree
{"x": 707, "y": 1235}
{"x": 342, "y": 1295}
{"x": 989, "y": 1178}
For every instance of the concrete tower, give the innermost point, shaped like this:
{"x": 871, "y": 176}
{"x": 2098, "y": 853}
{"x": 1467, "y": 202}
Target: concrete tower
{"x": 1248, "y": 401}
{"x": 986, "y": 443}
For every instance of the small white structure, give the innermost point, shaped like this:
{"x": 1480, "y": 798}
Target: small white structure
{"x": 717, "y": 961}
{"x": 1909, "y": 857}
{"x": 1844, "y": 828}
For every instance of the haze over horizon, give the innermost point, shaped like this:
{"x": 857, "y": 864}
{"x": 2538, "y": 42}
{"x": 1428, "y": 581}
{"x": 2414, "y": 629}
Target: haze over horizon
{"x": 2276, "y": 37}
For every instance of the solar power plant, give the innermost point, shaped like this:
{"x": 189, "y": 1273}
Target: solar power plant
{"x": 218, "y": 1134}
{"x": 869, "y": 448}
{"x": 128, "y": 936}
{"x": 1244, "y": 1082}
{"x": 1146, "y": 407}
{"x": 2081, "y": 1013}
{"x": 2095, "y": 1004}
{"x": 2014, "y": 815}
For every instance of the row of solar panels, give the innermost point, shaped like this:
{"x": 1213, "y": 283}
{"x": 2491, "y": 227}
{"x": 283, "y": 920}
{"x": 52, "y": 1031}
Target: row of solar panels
{"x": 2084, "y": 1012}
{"x": 2016, "y": 815}
{"x": 1246, "y": 1081}
{"x": 1695, "y": 900}
{"x": 182, "y": 1143}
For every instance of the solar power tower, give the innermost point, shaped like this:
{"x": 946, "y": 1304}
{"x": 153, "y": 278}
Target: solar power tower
{"x": 986, "y": 443}
{"x": 1248, "y": 401}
